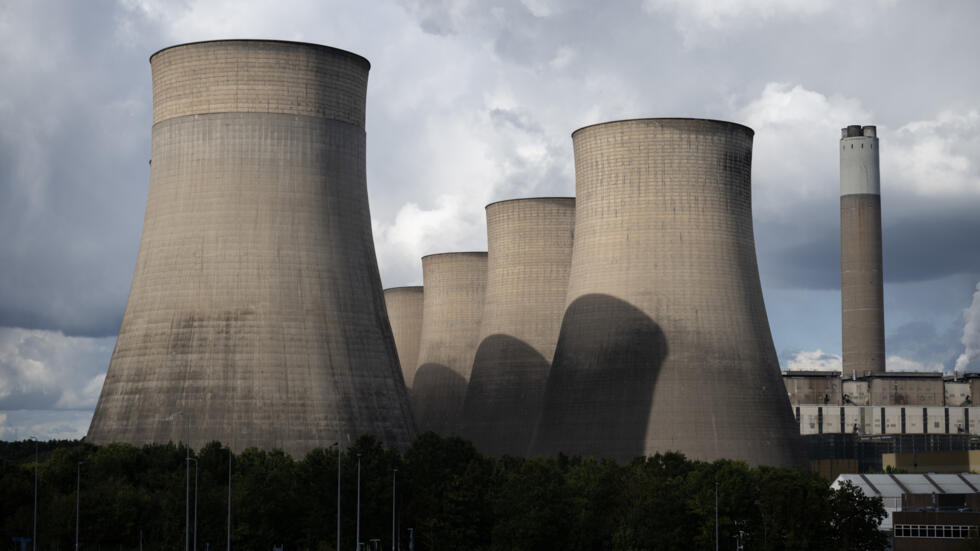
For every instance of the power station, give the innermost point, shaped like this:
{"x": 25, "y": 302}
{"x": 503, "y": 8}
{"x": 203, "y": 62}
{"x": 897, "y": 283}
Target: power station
{"x": 404, "y": 305}
{"x": 623, "y": 322}
{"x": 256, "y": 314}
{"x": 529, "y": 257}
{"x": 862, "y": 296}
{"x": 665, "y": 344}
{"x": 452, "y": 308}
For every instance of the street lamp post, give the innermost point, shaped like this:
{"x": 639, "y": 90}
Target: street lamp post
{"x": 78, "y": 490}
{"x": 338, "y": 494}
{"x": 195, "y": 498}
{"x": 228, "y": 548}
{"x": 394, "y": 482}
{"x": 187, "y": 476}
{"x": 34, "y": 538}
{"x": 358, "y": 533}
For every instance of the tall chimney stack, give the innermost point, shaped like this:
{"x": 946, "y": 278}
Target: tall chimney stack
{"x": 862, "y": 302}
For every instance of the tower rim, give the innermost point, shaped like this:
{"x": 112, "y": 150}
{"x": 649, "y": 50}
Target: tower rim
{"x": 456, "y": 253}
{"x": 652, "y": 119}
{"x": 543, "y": 198}
{"x": 352, "y": 55}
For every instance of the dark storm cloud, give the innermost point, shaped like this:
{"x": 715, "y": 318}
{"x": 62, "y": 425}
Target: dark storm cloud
{"x": 938, "y": 241}
{"x": 74, "y": 115}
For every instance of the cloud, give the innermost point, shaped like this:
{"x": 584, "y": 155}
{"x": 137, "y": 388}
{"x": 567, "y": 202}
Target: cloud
{"x": 971, "y": 334}
{"x": 813, "y": 360}
{"x": 898, "y": 363}
{"x": 935, "y": 158}
{"x": 44, "y": 424}
{"x": 712, "y": 14}
{"x": 47, "y": 370}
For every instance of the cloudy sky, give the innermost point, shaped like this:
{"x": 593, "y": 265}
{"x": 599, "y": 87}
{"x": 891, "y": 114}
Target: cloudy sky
{"x": 474, "y": 101}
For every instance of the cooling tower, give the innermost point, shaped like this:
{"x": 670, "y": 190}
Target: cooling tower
{"x": 455, "y": 285}
{"x": 404, "y": 306}
{"x": 256, "y": 312}
{"x": 665, "y": 343}
{"x": 862, "y": 299}
{"x": 529, "y": 256}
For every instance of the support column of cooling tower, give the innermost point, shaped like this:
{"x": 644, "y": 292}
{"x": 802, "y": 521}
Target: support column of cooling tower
{"x": 452, "y": 307}
{"x": 529, "y": 256}
{"x": 862, "y": 296}
{"x": 665, "y": 344}
{"x": 256, "y": 309}
{"x": 404, "y": 306}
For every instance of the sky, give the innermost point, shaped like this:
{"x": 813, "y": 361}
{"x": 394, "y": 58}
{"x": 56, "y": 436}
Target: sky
{"x": 471, "y": 102}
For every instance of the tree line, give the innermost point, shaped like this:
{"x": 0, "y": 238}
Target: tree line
{"x": 447, "y": 496}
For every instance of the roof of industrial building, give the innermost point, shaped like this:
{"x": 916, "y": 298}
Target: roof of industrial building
{"x": 895, "y": 485}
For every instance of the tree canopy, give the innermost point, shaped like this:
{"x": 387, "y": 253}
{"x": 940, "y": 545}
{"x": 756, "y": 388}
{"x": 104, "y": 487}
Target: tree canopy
{"x": 448, "y": 496}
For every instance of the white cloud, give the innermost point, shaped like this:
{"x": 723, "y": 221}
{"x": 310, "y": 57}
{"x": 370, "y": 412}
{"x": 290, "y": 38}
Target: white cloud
{"x": 971, "y": 333}
{"x": 930, "y": 158}
{"x": 795, "y": 147}
{"x": 717, "y": 14}
{"x": 814, "y": 360}
{"x": 44, "y": 424}
{"x": 47, "y": 370}
{"x": 898, "y": 363}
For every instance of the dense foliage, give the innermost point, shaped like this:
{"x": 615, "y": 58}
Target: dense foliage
{"x": 451, "y": 497}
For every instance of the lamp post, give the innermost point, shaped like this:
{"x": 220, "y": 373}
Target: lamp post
{"x": 78, "y": 490}
{"x": 195, "y": 499}
{"x": 716, "y": 515}
{"x": 187, "y": 476}
{"x": 394, "y": 482}
{"x": 228, "y": 548}
{"x": 338, "y": 493}
{"x": 358, "y": 533}
{"x": 34, "y": 538}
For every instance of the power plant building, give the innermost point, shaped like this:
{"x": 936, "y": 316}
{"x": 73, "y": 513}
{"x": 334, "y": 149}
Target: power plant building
{"x": 452, "y": 309}
{"x": 404, "y": 306}
{"x": 529, "y": 258}
{"x": 256, "y": 313}
{"x": 665, "y": 343}
{"x": 862, "y": 296}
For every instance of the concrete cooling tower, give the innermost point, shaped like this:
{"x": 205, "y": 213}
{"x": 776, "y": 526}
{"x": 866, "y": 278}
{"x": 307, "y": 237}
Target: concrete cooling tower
{"x": 256, "y": 312}
{"x": 665, "y": 344}
{"x": 529, "y": 256}
{"x": 404, "y": 306}
{"x": 862, "y": 296}
{"x": 455, "y": 285}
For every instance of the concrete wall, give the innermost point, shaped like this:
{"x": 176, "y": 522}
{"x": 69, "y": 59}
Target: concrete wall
{"x": 956, "y": 393}
{"x": 455, "y": 289}
{"x": 256, "y": 307}
{"x": 810, "y": 389}
{"x": 665, "y": 344}
{"x": 862, "y": 302}
{"x": 858, "y": 392}
{"x": 924, "y": 391}
{"x": 404, "y": 305}
{"x": 529, "y": 257}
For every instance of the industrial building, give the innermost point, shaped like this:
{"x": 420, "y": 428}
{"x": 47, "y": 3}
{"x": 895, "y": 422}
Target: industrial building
{"x": 452, "y": 309}
{"x": 665, "y": 343}
{"x": 404, "y": 305}
{"x": 256, "y": 314}
{"x": 529, "y": 257}
{"x": 824, "y": 402}
{"x": 924, "y": 511}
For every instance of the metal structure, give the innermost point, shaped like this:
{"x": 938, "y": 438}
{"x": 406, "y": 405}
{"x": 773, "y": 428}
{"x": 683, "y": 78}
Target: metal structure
{"x": 665, "y": 343}
{"x": 256, "y": 305}
{"x": 455, "y": 286}
{"x": 529, "y": 256}
{"x": 862, "y": 296}
{"x": 404, "y": 305}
